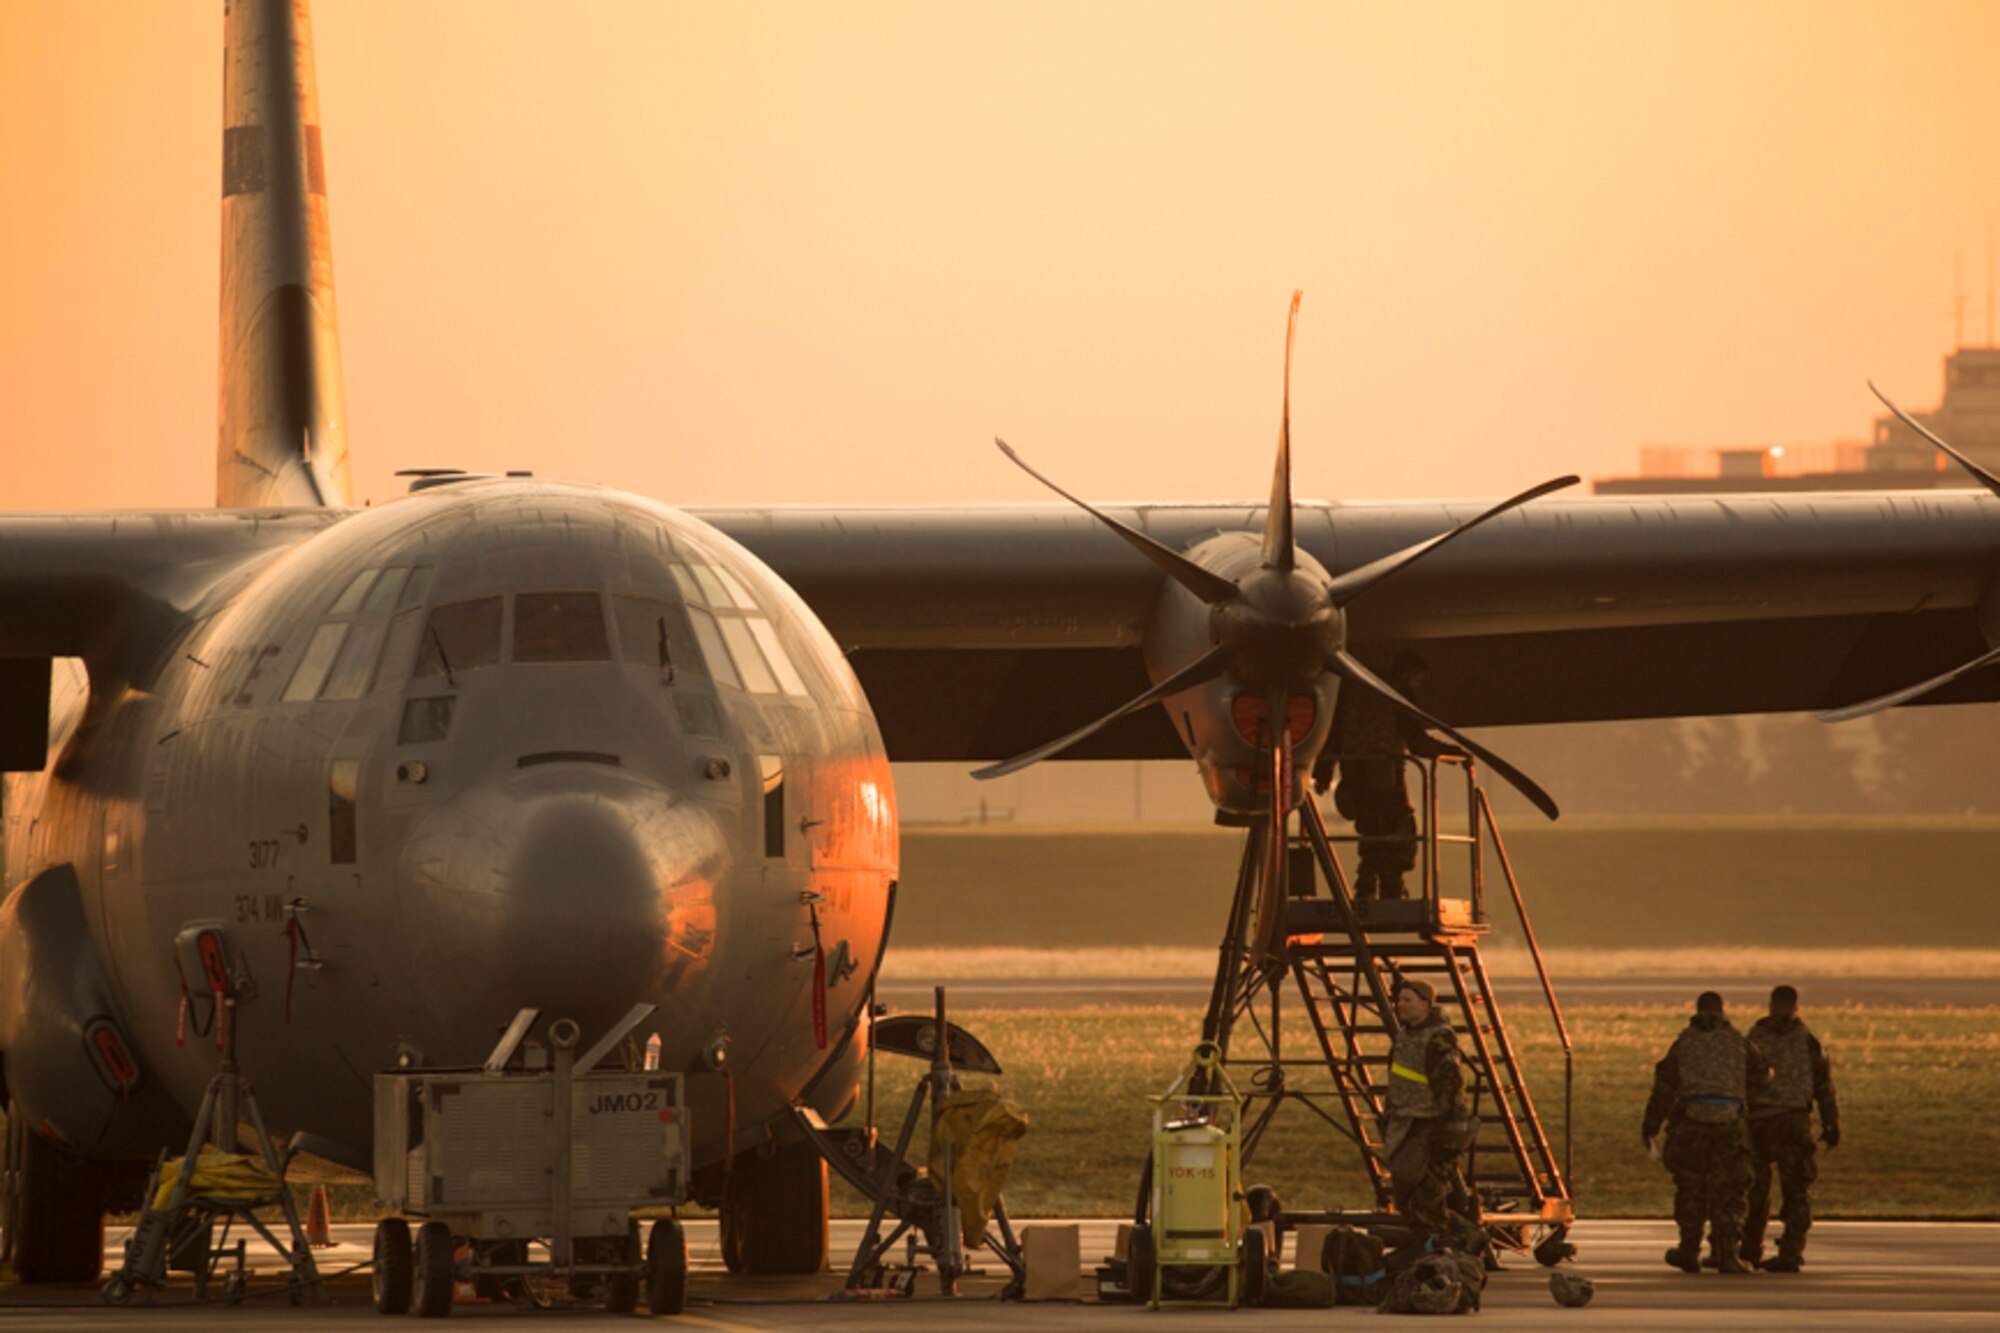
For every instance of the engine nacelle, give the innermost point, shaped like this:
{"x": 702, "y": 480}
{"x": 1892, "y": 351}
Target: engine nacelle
{"x": 1226, "y": 723}
{"x": 69, "y": 1065}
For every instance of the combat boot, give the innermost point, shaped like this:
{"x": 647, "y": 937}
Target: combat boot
{"x": 1727, "y": 1262}
{"x": 1751, "y": 1254}
{"x": 1783, "y": 1263}
{"x": 1684, "y": 1257}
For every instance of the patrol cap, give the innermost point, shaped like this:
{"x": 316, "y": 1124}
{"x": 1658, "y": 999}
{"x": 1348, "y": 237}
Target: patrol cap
{"x": 1419, "y": 985}
{"x": 1708, "y": 1002}
{"x": 1570, "y": 1289}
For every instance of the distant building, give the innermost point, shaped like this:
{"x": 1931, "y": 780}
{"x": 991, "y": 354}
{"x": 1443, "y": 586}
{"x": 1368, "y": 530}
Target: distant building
{"x": 1894, "y": 458}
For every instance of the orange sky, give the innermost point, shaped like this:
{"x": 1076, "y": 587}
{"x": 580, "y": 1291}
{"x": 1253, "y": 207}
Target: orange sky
{"x": 823, "y": 253}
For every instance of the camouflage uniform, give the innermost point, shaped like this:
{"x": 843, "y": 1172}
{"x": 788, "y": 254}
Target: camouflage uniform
{"x": 1374, "y": 736}
{"x": 1699, "y": 1091}
{"x": 1781, "y": 1132}
{"x": 1423, "y": 1125}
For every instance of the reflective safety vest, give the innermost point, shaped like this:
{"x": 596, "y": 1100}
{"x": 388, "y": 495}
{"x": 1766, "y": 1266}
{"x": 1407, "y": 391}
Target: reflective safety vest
{"x": 1712, "y": 1080}
{"x": 1789, "y": 1049}
{"x": 1409, "y": 1093}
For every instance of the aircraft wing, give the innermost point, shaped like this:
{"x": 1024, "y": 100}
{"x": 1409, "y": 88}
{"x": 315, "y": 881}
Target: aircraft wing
{"x": 111, "y": 588}
{"x": 979, "y": 631}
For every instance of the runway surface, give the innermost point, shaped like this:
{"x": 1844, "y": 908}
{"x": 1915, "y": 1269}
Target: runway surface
{"x": 1748, "y": 994}
{"x": 1860, "y": 1275}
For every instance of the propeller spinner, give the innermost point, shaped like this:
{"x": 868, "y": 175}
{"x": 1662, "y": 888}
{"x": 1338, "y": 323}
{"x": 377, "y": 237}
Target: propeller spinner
{"x": 1275, "y": 625}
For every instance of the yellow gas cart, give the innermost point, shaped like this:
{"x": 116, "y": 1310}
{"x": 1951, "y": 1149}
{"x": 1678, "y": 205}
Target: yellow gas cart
{"x": 1196, "y": 1249}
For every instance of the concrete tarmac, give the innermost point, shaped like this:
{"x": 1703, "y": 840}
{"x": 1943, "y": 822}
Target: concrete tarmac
{"x": 1860, "y": 1275}
{"x": 1747, "y": 994}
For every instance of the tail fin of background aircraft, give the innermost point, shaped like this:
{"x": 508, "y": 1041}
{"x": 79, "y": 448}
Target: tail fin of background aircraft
{"x": 281, "y": 429}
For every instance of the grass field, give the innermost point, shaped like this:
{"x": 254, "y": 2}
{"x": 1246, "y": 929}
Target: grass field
{"x": 1917, "y": 1090}
{"x": 1590, "y": 884}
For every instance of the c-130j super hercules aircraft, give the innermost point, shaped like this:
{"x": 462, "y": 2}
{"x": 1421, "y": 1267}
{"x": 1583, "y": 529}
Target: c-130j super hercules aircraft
{"x": 511, "y": 742}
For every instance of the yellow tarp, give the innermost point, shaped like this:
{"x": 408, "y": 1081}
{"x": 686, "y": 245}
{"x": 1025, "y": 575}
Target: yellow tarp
{"x": 218, "y": 1175}
{"x": 985, "y": 1128}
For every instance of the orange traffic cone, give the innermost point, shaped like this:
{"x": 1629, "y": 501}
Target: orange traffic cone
{"x": 319, "y": 1226}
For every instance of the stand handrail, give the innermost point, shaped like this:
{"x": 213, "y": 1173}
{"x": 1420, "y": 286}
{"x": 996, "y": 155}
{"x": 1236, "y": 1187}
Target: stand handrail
{"x": 1548, "y": 988}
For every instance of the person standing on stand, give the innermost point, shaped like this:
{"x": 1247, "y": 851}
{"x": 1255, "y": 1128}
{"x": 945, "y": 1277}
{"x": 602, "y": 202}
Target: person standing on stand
{"x": 1373, "y": 735}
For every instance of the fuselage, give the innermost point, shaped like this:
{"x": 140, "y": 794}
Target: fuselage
{"x": 498, "y": 744}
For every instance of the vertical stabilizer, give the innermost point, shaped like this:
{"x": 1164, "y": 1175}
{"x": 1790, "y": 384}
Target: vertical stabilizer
{"x": 281, "y": 429}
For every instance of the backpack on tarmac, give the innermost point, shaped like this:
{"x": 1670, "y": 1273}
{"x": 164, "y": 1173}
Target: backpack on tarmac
{"x": 1445, "y": 1282}
{"x": 1353, "y": 1259}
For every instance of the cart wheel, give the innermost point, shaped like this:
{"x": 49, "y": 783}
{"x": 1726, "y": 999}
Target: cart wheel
{"x": 436, "y": 1268}
{"x": 1256, "y": 1260}
{"x": 667, "y": 1268}
{"x": 621, "y": 1290}
{"x": 392, "y": 1266}
{"x": 1139, "y": 1265}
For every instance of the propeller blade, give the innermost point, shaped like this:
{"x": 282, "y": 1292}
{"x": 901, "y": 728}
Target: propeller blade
{"x": 1980, "y": 474}
{"x": 1278, "y": 553}
{"x": 1203, "y": 669}
{"x": 1351, "y": 668}
{"x": 1210, "y": 587}
{"x": 1346, "y": 587}
{"x": 1908, "y": 692}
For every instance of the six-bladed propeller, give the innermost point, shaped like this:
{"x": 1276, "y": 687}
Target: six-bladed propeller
{"x": 1278, "y": 628}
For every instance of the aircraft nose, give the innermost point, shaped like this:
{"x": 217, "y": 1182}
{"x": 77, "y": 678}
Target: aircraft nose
{"x": 576, "y": 888}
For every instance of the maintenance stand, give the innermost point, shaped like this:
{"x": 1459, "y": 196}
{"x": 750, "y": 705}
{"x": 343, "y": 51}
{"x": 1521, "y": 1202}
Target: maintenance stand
{"x": 1301, "y": 1008}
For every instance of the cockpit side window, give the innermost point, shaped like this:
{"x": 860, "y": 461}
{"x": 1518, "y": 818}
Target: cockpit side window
{"x": 560, "y": 627}
{"x": 737, "y": 631}
{"x": 460, "y": 636}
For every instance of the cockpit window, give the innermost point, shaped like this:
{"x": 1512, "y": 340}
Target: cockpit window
{"x": 419, "y": 584}
{"x": 349, "y": 676}
{"x": 315, "y": 662}
{"x": 656, "y": 634}
{"x": 737, "y": 592}
{"x": 382, "y": 596}
{"x": 774, "y": 652}
{"x": 459, "y": 637}
{"x": 711, "y": 587}
{"x": 560, "y": 627}
{"x": 742, "y": 645}
{"x": 757, "y": 677}
{"x": 350, "y": 597}
{"x": 712, "y": 648}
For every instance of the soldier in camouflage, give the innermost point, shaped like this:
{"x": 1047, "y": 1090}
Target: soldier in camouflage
{"x": 1700, "y": 1090}
{"x": 1424, "y": 1112}
{"x": 1781, "y": 1130}
{"x": 1374, "y": 735}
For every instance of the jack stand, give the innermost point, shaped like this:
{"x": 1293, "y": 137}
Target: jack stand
{"x": 920, "y": 1204}
{"x": 184, "y": 1227}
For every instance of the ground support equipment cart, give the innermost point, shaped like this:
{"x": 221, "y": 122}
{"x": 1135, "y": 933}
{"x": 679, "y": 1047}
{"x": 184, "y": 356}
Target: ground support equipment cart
{"x": 497, "y": 1159}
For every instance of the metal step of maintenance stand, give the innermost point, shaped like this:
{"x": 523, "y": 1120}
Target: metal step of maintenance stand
{"x": 1301, "y": 1007}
